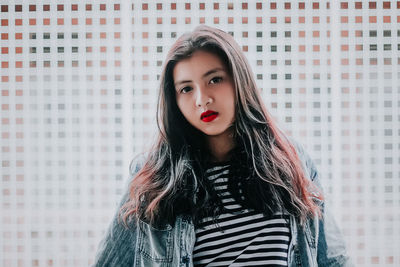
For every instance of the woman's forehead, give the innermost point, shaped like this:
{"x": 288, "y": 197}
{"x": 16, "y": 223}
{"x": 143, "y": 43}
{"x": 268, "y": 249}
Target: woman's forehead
{"x": 200, "y": 63}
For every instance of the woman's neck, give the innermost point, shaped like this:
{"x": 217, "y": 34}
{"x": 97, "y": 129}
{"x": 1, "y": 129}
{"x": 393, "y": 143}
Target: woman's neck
{"x": 220, "y": 146}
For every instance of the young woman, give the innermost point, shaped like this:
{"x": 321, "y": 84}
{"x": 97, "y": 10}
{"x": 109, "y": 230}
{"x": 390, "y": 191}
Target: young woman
{"x": 222, "y": 185}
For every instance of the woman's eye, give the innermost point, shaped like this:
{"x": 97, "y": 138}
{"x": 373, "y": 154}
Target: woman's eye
{"x": 185, "y": 89}
{"x": 216, "y": 80}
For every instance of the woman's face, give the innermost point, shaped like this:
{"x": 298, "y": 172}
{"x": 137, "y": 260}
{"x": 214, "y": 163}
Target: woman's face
{"x": 205, "y": 93}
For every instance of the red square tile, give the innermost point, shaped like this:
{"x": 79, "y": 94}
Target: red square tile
{"x": 372, "y": 5}
{"x": 372, "y": 19}
{"x": 386, "y": 19}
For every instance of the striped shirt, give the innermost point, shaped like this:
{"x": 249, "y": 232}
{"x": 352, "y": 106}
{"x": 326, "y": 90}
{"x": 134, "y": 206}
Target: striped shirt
{"x": 241, "y": 236}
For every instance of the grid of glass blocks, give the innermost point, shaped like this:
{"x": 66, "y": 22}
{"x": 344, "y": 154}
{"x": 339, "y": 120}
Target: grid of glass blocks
{"x": 79, "y": 83}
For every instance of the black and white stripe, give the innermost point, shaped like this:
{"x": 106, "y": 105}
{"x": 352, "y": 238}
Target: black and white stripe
{"x": 241, "y": 236}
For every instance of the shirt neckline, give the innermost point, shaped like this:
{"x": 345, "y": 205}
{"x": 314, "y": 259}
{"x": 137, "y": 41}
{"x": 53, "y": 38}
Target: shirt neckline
{"x": 211, "y": 164}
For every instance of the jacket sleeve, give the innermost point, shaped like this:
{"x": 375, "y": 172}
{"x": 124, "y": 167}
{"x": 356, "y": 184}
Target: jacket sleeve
{"x": 117, "y": 247}
{"x": 331, "y": 249}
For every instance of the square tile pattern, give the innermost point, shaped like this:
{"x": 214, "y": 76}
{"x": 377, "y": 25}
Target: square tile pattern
{"x": 79, "y": 82}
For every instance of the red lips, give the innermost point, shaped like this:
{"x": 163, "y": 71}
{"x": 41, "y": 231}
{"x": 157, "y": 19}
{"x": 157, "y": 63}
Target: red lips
{"x": 208, "y": 116}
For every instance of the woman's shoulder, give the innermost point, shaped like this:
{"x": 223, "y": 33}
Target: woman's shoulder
{"x": 296, "y": 144}
{"x": 307, "y": 162}
{"x": 301, "y": 153}
{"x": 137, "y": 163}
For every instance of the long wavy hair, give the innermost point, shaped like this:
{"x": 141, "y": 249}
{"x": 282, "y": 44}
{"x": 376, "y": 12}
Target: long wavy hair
{"x": 267, "y": 174}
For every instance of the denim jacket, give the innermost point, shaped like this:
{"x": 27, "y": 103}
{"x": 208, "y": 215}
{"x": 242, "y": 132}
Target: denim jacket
{"x": 319, "y": 243}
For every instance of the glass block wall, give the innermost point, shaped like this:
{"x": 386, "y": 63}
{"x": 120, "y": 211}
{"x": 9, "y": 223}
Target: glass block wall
{"x": 79, "y": 85}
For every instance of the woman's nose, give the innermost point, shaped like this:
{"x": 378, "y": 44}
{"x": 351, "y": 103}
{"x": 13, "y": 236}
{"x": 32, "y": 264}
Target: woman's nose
{"x": 202, "y": 98}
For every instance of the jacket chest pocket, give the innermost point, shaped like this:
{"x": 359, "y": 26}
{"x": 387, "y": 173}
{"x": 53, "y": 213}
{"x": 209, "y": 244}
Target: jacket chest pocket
{"x": 155, "y": 246}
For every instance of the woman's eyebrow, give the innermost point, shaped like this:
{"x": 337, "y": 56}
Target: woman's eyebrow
{"x": 204, "y": 75}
